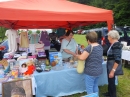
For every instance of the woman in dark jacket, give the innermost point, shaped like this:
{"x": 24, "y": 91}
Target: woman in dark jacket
{"x": 113, "y": 61}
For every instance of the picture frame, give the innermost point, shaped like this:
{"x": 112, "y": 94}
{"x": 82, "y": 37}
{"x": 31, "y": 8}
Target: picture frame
{"x": 17, "y": 88}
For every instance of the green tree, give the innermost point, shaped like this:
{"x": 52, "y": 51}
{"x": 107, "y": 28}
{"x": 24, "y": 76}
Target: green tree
{"x": 122, "y": 13}
{"x": 2, "y": 33}
{"x": 30, "y": 32}
{"x": 38, "y": 31}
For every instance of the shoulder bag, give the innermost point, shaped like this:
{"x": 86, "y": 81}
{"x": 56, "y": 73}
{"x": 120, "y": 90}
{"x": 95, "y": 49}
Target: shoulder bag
{"x": 119, "y": 69}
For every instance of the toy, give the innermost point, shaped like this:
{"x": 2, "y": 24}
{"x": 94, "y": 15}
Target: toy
{"x": 2, "y": 48}
{"x": 47, "y": 62}
{"x": 14, "y": 73}
{"x": 30, "y": 68}
{"x": 82, "y": 48}
{"x": 23, "y": 68}
{"x": 53, "y": 63}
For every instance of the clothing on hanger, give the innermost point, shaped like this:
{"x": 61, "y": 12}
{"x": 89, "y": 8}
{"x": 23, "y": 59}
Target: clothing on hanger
{"x": 34, "y": 38}
{"x": 23, "y": 40}
{"x": 12, "y": 39}
{"x": 44, "y": 37}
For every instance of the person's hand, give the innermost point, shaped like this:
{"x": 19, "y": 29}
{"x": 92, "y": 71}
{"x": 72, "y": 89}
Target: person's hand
{"x": 111, "y": 74}
{"x": 75, "y": 55}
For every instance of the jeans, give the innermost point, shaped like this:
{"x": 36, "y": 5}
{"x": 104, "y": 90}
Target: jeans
{"x": 91, "y": 83}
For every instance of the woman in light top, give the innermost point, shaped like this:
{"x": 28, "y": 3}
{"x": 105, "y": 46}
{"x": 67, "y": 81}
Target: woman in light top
{"x": 69, "y": 47}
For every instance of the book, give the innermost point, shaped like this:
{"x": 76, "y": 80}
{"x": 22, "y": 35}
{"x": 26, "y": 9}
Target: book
{"x": 41, "y": 54}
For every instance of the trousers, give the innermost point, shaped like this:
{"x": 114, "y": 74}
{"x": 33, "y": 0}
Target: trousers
{"x": 91, "y": 83}
{"x": 111, "y": 87}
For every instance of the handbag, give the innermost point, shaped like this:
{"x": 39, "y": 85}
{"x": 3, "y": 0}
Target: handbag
{"x": 119, "y": 69}
{"x": 81, "y": 63}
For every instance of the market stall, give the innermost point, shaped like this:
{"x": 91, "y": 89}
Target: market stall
{"x": 31, "y": 14}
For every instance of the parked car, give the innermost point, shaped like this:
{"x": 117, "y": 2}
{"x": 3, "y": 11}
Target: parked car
{"x": 127, "y": 31}
{"x": 79, "y": 31}
{"x": 75, "y": 32}
{"x": 84, "y": 31}
{"x": 100, "y": 34}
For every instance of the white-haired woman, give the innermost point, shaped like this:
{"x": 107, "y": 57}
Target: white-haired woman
{"x": 113, "y": 61}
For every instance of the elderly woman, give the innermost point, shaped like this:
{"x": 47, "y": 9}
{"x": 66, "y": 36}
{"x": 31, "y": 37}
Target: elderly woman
{"x": 69, "y": 47}
{"x": 113, "y": 61}
{"x": 92, "y": 55}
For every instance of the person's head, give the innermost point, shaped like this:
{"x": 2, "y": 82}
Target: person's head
{"x": 91, "y": 37}
{"x": 69, "y": 34}
{"x": 113, "y": 35}
{"x": 18, "y": 92}
{"x": 82, "y": 46}
{"x": 24, "y": 65}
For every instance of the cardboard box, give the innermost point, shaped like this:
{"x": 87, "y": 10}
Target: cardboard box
{"x": 55, "y": 57}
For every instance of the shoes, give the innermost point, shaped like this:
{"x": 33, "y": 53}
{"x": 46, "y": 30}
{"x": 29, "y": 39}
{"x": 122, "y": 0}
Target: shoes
{"x": 106, "y": 94}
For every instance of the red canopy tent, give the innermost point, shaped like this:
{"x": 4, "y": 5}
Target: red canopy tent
{"x": 51, "y": 14}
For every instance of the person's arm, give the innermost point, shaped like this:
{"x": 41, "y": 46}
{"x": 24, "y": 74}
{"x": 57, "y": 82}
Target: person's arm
{"x": 85, "y": 53}
{"x": 83, "y": 56}
{"x": 111, "y": 75}
{"x": 69, "y": 52}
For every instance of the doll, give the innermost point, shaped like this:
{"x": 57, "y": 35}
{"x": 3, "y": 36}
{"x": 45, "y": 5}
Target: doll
{"x": 30, "y": 68}
{"x": 23, "y": 68}
{"x": 82, "y": 48}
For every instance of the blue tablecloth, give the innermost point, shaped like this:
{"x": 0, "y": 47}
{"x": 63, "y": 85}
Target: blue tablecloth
{"x": 63, "y": 82}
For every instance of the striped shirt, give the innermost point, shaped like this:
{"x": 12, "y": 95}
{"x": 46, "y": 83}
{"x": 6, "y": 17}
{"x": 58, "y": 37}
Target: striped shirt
{"x": 93, "y": 64}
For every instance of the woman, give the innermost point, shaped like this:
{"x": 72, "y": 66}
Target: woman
{"x": 69, "y": 47}
{"x": 113, "y": 61}
{"x": 92, "y": 55}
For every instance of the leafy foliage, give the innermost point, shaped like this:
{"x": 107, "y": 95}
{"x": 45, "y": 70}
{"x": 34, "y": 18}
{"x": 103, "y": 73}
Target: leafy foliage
{"x": 38, "y": 31}
{"x": 2, "y": 33}
{"x": 30, "y": 32}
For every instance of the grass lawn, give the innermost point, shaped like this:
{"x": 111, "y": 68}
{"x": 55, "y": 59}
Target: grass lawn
{"x": 80, "y": 39}
{"x": 123, "y": 87}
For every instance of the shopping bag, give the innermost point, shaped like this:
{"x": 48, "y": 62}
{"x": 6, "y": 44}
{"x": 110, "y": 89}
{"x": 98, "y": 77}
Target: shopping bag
{"x": 80, "y": 66}
{"x": 81, "y": 63}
